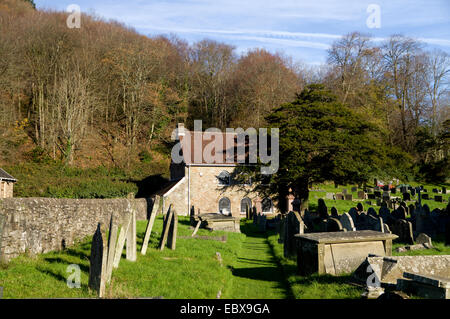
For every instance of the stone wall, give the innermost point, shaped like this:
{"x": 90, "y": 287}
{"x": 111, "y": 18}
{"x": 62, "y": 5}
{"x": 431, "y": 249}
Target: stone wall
{"x": 6, "y": 189}
{"x": 39, "y": 225}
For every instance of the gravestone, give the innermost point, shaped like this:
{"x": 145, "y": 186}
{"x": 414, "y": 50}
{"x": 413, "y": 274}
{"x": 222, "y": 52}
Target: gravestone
{"x": 329, "y": 196}
{"x": 403, "y": 189}
{"x": 353, "y": 212}
{"x": 371, "y": 211}
{"x": 425, "y": 196}
{"x": 444, "y": 190}
{"x": 293, "y": 225}
{"x": 386, "y": 188}
{"x": 348, "y": 197}
{"x": 339, "y": 196}
{"x": 374, "y": 223}
{"x": 403, "y": 229}
{"x": 393, "y": 190}
{"x": 371, "y": 196}
{"x": 413, "y": 192}
{"x": 173, "y": 229}
{"x": 151, "y": 222}
{"x": 112, "y": 239}
{"x": 166, "y": 227}
{"x": 406, "y": 196}
{"x": 399, "y": 213}
{"x": 361, "y": 195}
{"x": 362, "y": 221}
{"x": 438, "y": 198}
{"x": 322, "y": 209}
{"x": 386, "y": 197}
{"x": 377, "y": 194}
{"x": 333, "y": 225}
{"x": 435, "y": 190}
{"x": 424, "y": 239}
{"x": 334, "y": 212}
{"x": 98, "y": 262}
{"x": 131, "y": 238}
{"x": 360, "y": 207}
{"x": 347, "y": 222}
{"x": 386, "y": 229}
{"x": 424, "y": 190}
{"x": 424, "y": 223}
{"x": 385, "y": 213}
{"x": 121, "y": 241}
{"x": 344, "y": 191}
{"x": 354, "y": 189}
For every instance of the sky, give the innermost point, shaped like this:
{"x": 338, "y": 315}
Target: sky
{"x": 301, "y": 29}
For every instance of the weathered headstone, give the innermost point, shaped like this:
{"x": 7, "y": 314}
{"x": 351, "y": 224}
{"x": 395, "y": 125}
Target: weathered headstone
{"x": 375, "y": 223}
{"x": 425, "y": 196}
{"x": 344, "y": 191}
{"x": 322, "y": 209}
{"x": 173, "y": 230}
{"x": 371, "y": 211}
{"x": 424, "y": 223}
{"x": 438, "y": 198}
{"x": 360, "y": 207}
{"x": 293, "y": 225}
{"x": 347, "y": 222}
{"x": 329, "y": 196}
{"x": 98, "y": 262}
{"x": 348, "y": 197}
{"x": 112, "y": 240}
{"x": 377, "y": 194}
{"x": 435, "y": 190}
{"x": 406, "y": 196}
{"x": 339, "y": 196}
{"x": 424, "y": 239}
{"x": 413, "y": 192}
{"x": 131, "y": 238}
{"x": 334, "y": 212}
{"x": 333, "y": 225}
{"x": 361, "y": 195}
{"x": 166, "y": 228}
{"x": 150, "y": 223}
{"x": 403, "y": 229}
{"x": 121, "y": 241}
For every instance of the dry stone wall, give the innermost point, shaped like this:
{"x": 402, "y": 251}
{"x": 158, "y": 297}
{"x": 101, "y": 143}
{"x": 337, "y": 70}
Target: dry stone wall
{"x": 39, "y": 225}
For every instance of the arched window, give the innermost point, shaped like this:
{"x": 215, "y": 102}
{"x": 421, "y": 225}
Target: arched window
{"x": 224, "y": 178}
{"x": 225, "y": 206}
{"x": 244, "y": 203}
{"x": 266, "y": 205}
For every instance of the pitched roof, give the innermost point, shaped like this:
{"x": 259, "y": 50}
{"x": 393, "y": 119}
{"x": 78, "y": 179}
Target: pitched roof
{"x": 6, "y": 177}
{"x": 226, "y": 141}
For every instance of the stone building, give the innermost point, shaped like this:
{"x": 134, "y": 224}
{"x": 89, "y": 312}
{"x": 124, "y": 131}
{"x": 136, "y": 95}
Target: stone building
{"x": 6, "y": 184}
{"x": 209, "y": 187}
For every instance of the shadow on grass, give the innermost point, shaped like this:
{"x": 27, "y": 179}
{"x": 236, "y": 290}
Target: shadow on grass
{"x": 59, "y": 277}
{"x": 59, "y": 260}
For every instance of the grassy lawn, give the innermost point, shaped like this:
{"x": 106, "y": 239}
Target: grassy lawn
{"x": 191, "y": 271}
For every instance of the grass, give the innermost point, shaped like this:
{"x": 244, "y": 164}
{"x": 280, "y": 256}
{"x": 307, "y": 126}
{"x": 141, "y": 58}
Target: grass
{"x": 314, "y": 286}
{"x": 191, "y": 271}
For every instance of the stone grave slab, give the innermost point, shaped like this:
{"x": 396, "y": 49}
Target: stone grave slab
{"x": 339, "y": 252}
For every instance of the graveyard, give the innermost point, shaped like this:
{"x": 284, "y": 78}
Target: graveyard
{"x": 176, "y": 258}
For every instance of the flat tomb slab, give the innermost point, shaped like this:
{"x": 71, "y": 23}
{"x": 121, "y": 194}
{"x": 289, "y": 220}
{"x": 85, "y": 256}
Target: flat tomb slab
{"x": 220, "y": 222}
{"x": 339, "y": 252}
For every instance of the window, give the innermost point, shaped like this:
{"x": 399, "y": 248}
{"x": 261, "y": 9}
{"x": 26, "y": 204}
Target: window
{"x": 225, "y": 206}
{"x": 244, "y": 203}
{"x": 266, "y": 205}
{"x": 224, "y": 178}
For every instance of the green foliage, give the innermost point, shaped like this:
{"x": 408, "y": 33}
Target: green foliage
{"x": 321, "y": 139}
{"x": 145, "y": 156}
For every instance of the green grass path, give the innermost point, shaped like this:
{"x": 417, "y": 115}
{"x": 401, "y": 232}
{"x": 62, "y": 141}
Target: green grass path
{"x": 256, "y": 274}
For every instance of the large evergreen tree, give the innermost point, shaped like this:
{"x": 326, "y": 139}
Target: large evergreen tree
{"x": 323, "y": 140}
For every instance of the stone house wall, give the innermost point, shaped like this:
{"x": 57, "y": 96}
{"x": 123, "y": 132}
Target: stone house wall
{"x": 39, "y": 225}
{"x": 6, "y": 189}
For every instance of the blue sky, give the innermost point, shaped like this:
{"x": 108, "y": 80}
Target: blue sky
{"x": 297, "y": 28}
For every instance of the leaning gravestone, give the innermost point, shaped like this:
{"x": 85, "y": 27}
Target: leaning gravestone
{"x": 131, "y": 238}
{"x": 347, "y": 222}
{"x": 166, "y": 228}
{"x": 173, "y": 230}
{"x": 112, "y": 239}
{"x": 121, "y": 241}
{"x": 424, "y": 239}
{"x": 98, "y": 262}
